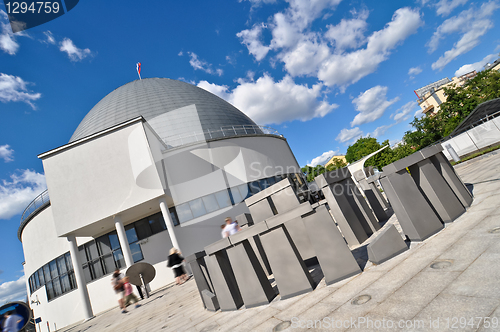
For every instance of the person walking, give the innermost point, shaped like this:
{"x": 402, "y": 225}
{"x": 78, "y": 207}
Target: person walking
{"x": 117, "y": 283}
{"x": 129, "y": 294}
{"x": 231, "y": 227}
{"x": 11, "y": 322}
{"x": 175, "y": 263}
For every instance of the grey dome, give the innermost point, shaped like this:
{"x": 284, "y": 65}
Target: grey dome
{"x": 172, "y": 108}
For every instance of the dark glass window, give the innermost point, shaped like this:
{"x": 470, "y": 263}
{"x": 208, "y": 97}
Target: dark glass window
{"x": 157, "y": 222}
{"x": 143, "y": 229}
{"x": 57, "y": 277}
{"x": 131, "y": 234}
{"x": 173, "y": 215}
{"x": 40, "y": 277}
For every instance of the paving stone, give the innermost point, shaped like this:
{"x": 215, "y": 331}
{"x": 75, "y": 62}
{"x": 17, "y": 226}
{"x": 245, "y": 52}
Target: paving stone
{"x": 447, "y": 307}
{"x": 480, "y": 279}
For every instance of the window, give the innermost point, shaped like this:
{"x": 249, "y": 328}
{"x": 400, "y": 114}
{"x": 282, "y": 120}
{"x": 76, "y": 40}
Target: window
{"x": 57, "y": 276}
{"x": 135, "y": 247}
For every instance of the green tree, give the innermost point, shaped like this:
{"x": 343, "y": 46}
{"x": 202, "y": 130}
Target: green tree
{"x": 362, "y": 147}
{"x": 460, "y": 102}
{"x": 312, "y": 172}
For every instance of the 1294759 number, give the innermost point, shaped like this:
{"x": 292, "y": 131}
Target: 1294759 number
{"x": 34, "y": 7}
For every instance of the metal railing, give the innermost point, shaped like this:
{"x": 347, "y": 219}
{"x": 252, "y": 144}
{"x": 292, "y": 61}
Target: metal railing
{"x": 223, "y": 132}
{"x": 39, "y": 202}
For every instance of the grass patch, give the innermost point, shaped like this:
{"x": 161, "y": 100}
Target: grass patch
{"x": 472, "y": 156}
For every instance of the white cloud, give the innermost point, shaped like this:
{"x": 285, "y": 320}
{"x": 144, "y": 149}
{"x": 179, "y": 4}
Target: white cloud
{"x": 321, "y": 160}
{"x": 471, "y": 24}
{"x": 344, "y": 69}
{"x": 303, "y": 12}
{"x": 348, "y": 33}
{"x": 251, "y": 38}
{"x": 13, "y": 290}
{"x": 379, "y": 131}
{"x": 17, "y": 194}
{"x": 202, "y": 65}
{"x": 49, "y": 38}
{"x": 8, "y": 42}
{"x": 13, "y": 88}
{"x": 305, "y": 57}
{"x": 285, "y": 33}
{"x": 266, "y": 101}
{"x": 74, "y": 53}
{"x": 477, "y": 66}
{"x": 445, "y": 7}
{"x": 414, "y": 71}
{"x": 6, "y": 153}
{"x": 180, "y": 53}
{"x": 349, "y": 135}
{"x": 371, "y": 104}
{"x": 403, "y": 113}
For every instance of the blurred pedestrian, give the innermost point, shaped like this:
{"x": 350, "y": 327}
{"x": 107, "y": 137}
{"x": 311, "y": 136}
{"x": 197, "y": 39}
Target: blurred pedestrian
{"x": 11, "y": 322}
{"x": 117, "y": 283}
{"x": 175, "y": 262}
{"x": 231, "y": 227}
{"x": 129, "y": 294}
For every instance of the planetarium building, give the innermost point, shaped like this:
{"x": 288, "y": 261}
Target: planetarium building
{"x": 156, "y": 164}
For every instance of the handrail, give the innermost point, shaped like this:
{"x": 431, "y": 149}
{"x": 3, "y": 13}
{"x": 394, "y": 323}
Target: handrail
{"x": 223, "y": 132}
{"x": 39, "y": 202}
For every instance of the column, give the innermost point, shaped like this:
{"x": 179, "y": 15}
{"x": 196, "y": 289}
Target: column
{"x": 80, "y": 280}
{"x": 169, "y": 223}
{"x": 122, "y": 238}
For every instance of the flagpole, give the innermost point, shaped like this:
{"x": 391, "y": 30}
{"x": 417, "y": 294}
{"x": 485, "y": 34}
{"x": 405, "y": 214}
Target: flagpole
{"x": 138, "y": 68}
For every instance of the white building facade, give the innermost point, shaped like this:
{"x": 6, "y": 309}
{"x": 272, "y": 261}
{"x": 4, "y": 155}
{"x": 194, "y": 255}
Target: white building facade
{"x": 156, "y": 164}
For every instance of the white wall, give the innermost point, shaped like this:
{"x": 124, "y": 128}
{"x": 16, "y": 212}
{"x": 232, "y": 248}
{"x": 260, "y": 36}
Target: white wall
{"x": 474, "y": 139}
{"x": 109, "y": 173}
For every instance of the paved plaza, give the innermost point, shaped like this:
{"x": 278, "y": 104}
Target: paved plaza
{"x": 450, "y": 282}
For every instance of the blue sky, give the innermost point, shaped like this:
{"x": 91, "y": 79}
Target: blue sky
{"x": 321, "y": 72}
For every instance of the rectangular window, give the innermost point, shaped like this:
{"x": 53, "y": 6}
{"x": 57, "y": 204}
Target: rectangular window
{"x": 40, "y": 277}
{"x": 135, "y": 248}
{"x": 54, "y": 276}
{"x": 57, "y": 286}
{"x": 131, "y": 234}
{"x": 143, "y": 229}
{"x": 223, "y": 198}
{"x": 37, "y": 282}
{"x": 69, "y": 263}
{"x": 244, "y": 191}
{"x": 118, "y": 257}
{"x": 96, "y": 268}
{"x": 65, "y": 284}
{"x": 104, "y": 245}
{"x": 50, "y": 291}
{"x": 61, "y": 265}
{"x": 197, "y": 207}
{"x": 46, "y": 272}
{"x": 109, "y": 263}
{"x": 157, "y": 223}
{"x": 53, "y": 269}
{"x": 235, "y": 194}
{"x": 184, "y": 212}
{"x": 113, "y": 239}
{"x": 210, "y": 203}
{"x": 92, "y": 250}
{"x": 173, "y": 215}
